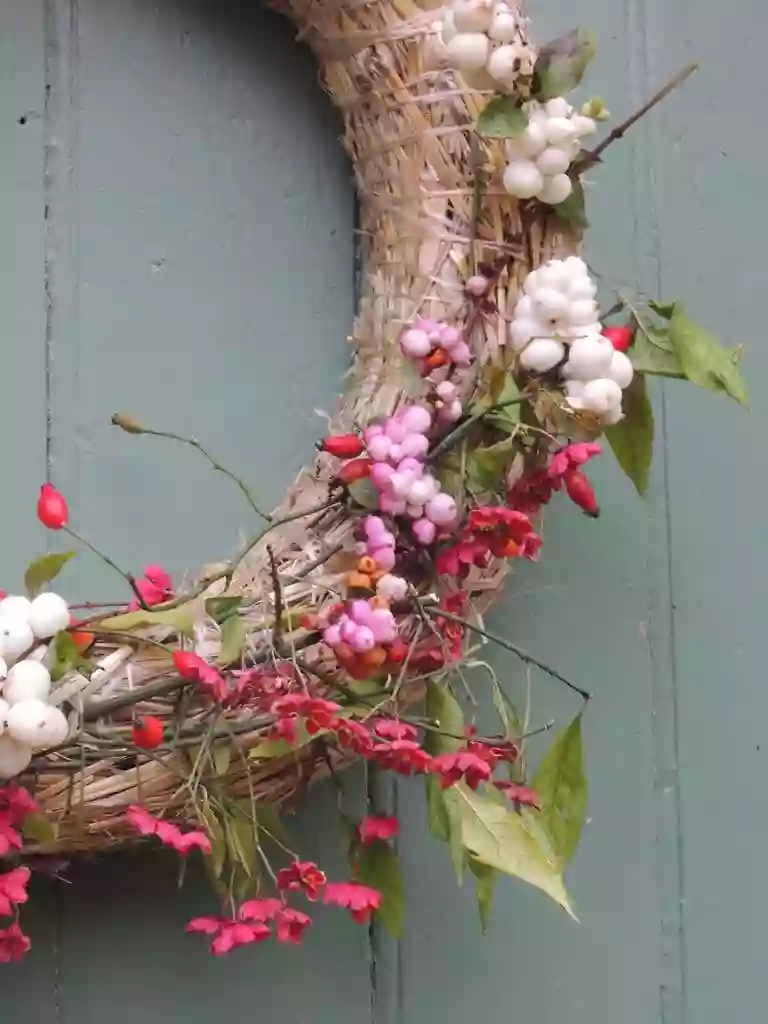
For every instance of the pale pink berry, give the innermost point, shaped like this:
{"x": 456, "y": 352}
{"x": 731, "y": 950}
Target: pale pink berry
{"x": 332, "y": 635}
{"x": 374, "y": 527}
{"x": 416, "y": 419}
{"x": 395, "y": 453}
{"x": 385, "y": 557}
{"x": 396, "y": 430}
{"x": 421, "y": 491}
{"x": 383, "y": 626}
{"x": 412, "y": 466}
{"x": 360, "y": 612}
{"x": 375, "y": 430}
{"x": 447, "y": 391}
{"x": 347, "y": 628}
{"x": 424, "y": 531}
{"x": 415, "y": 344}
{"x": 449, "y": 338}
{"x": 384, "y": 540}
{"x": 451, "y": 412}
{"x": 430, "y": 327}
{"x": 415, "y": 511}
{"x": 400, "y": 484}
{"x": 381, "y": 474}
{"x": 362, "y": 639}
{"x": 394, "y": 588}
{"x": 461, "y": 355}
{"x": 442, "y": 510}
{"x": 391, "y": 505}
{"x": 414, "y": 446}
{"x": 379, "y": 448}
{"x": 477, "y": 285}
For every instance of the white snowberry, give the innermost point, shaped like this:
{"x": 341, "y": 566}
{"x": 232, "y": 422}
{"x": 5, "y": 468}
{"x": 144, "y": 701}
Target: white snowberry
{"x": 553, "y": 160}
{"x": 14, "y": 757}
{"x": 469, "y": 51}
{"x": 502, "y": 64}
{"x": 582, "y": 312}
{"x": 542, "y": 355}
{"x": 503, "y": 27}
{"x": 16, "y": 636}
{"x": 601, "y": 396}
{"x": 26, "y": 721}
{"x": 584, "y": 125}
{"x": 621, "y": 370}
{"x": 612, "y": 416}
{"x": 473, "y": 15}
{"x": 3, "y": 668}
{"x": 4, "y": 706}
{"x": 48, "y": 615}
{"x": 523, "y": 179}
{"x": 533, "y": 140}
{"x": 559, "y": 130}
{"x": 15, "y": 604}
{"x": 54, "y": 730}
{"x": 558, "y": 107}
{"x": 551, "y": 303}
{"x": 556, "y": 189}
{"x": 449, "y": 29}
{"x": 581, "y": 287}
{"x": 523, "y": 330}
{"x": 589, "y": 358}
{"x": 27, "y": 680}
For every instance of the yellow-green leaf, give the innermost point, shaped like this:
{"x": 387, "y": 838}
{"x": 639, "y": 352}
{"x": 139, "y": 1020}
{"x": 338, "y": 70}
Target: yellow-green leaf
{"x": 221, "y": 755}
{"x": 379, "y": 867}
{"x": 221, "y": 608}
{"x": 38, "y": 828}
{"x": 561, "y": 63}
{"x": 181, "y": 619}
{"x": 443, "y": 708}
{"x": 507, "y": 841}
{"x": 233, "y": 633}
{"x": 632, "y": 438}
{"x": 563, "y": 791}
{"x": 44, "y": 570}
{"x": 704, "y": 361}
{"x": 485, "y": 883}
{"x": 66, "y": 656}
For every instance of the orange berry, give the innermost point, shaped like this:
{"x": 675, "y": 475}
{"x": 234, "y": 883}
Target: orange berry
{"x": 374, "y": 658}
{"x": 366, "y": 565}
{"x": 344, "y": 653}
{"x": 82, "y": 638}
{"x": 358, "y": 581}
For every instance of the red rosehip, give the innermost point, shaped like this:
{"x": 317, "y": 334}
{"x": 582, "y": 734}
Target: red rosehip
{"x": 581, "y": 492}
{"x": 358, "y": 469}
{"x": 343, "y": 446}
{"x": 147, "y": 733}
{"x": 52, "y": 508}
{"x": 619, "y": 337}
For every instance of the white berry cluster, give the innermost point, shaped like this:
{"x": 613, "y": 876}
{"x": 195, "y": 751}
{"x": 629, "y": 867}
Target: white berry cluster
{"x": 539, "y": 159}
{"x": 556, "y": 326}
{"x": 484, "y": 41}
{"x": 27, "y": 721}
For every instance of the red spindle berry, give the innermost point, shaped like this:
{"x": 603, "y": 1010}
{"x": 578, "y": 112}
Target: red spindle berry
{"x": 581, "y": 492}
{"x": 343, "y": 446}
{"x": 358, "y": 469}
{"x": 147, "y": 733}
{"x": 52, "y": 508}
{"x": 619, "y": 337}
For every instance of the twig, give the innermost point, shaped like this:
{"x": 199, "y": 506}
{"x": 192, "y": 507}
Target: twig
{"x": 593, "y": 157}
{"x": 529, "y": 659}
{"x": 192, "y": 442}
{"x": 128, "y": 577}
{"x": 277, "y": 629}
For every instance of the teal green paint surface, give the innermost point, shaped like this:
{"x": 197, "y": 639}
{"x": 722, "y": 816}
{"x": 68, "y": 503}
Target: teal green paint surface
{"x": 194, "y": 267}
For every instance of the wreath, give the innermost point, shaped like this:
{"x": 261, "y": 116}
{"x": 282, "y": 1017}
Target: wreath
{"x": 482, "y": 377}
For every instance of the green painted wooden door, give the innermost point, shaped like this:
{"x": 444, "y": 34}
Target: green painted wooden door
{"x": 178, "y": 241}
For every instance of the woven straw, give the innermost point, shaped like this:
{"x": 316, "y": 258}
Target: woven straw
{"x": 408, "y": 131}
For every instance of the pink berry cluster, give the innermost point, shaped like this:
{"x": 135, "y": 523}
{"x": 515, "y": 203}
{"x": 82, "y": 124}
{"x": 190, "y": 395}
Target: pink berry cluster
{"x": 398, "y": 449}
{"x": 426, "y": 338}
{"x": 361, "y": 627}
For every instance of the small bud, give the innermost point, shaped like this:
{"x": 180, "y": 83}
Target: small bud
{"x": 477, "y": 285}
{"x": 127, "y": 423}
{"x": 596, "y": 109}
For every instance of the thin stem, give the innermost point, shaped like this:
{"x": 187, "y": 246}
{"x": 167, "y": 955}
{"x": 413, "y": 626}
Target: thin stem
{"x": 277, "y": 629}
{"x": 593, "y": 157}
{"x": 128, "y": 577}
{"x": 466, "y": 425}
{"x": 529, "y": 659}
{"x": 192, "y": 442}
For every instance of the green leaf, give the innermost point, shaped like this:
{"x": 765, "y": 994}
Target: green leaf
{"x": 651, "y": 353}
{"x": 704, "y": 361}
{"x": 665, "y": 310}
{"x": 573, "y": 210}
{"x": 233, "y": 633}
{"x": 38, "y": 828}
{"x": 364, "y": 493}
{"x": 632, "y": 438}
{"x": 561, "y": 63}
{"x": 215, "y": 832}
{"x": 222, "y": 608}
{"x": 443, "y": 708}
{"x": 502, "y": 118}
{"x": 44, "y": 570}
{"x": 563, "y": 790}
{"x": 267, "y": 750}
{"x": 485, "y": 883}
{"x": 510, "y": 842}
{"x": 486, "y": 466}
{"x": 379, "y": 866}
{"x": 510, "y": 719}
{"x": 181, "y": 619}
{"x": 66, "y": 656}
